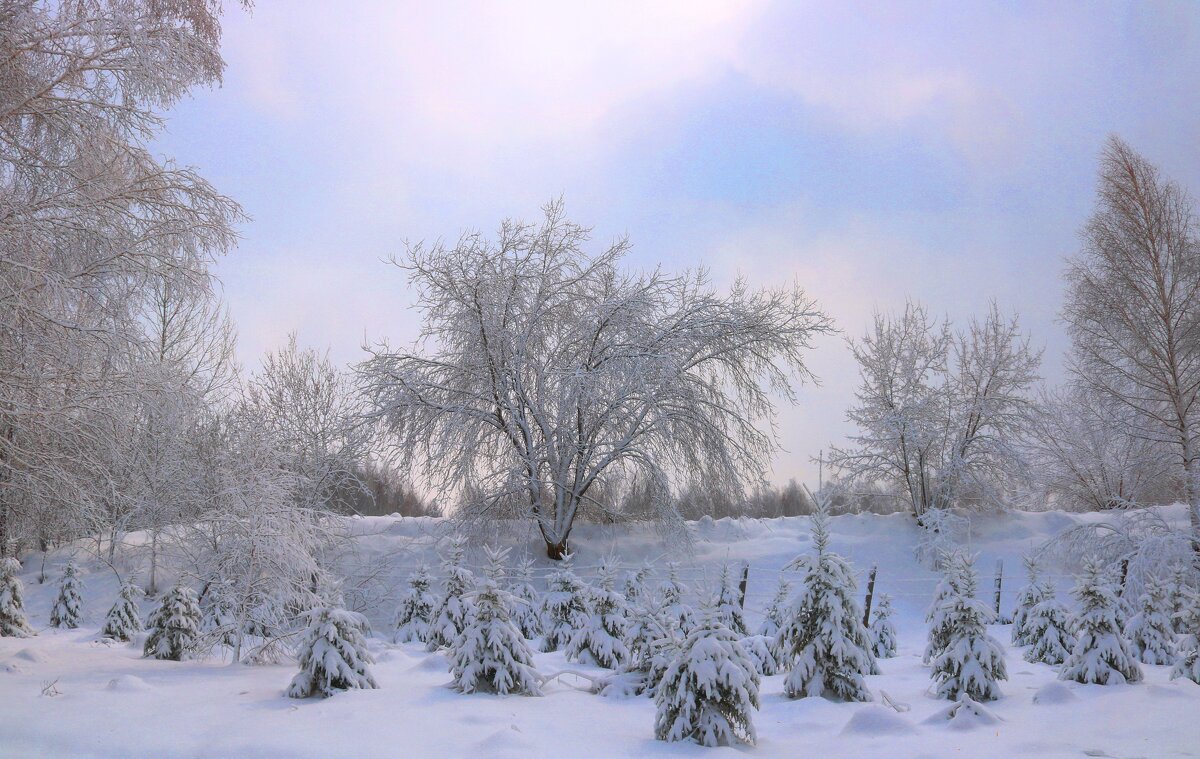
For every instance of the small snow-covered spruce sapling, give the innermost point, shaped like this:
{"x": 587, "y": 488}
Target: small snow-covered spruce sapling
{"x": 1049, "y": 629}
{"x": 13, "y": 623}
{"x": 673, "y": 593}
{"x": 490, "y": 654}
{"x": 708, "y": 692}
{"x": 882, "y": 630}
{"x": 761, "y": 650}
{"x": 1182, "y": 596}
{"x": 1187, "y": 663}
{"x": 1030, "y": 596}
{"x": 454, "y": 607}
{"x": 174, "y": 626}
{"x": 824, "y": 640}
{"x": 728, "y": 605}
{"x": 943, "y": 594}
{"x": 564, "y": 607}
{"x": 1150, "y": 633}
{"x": 333, "y": 655}
{"x": 972, "y": 662}
{"x": 68, "y": 607}
{"x": 218, "y": 616}
{"x": 601, "y": 639}
{"x": 636, "y": 582}
{"x": 123, "y": 620}
{"x": 1101, "y": 655}
{"x": 777, "y": 611}
{"x": 415, "y": 613}
{"x": 653, "y": 641}
{"x": 527, "y": 602}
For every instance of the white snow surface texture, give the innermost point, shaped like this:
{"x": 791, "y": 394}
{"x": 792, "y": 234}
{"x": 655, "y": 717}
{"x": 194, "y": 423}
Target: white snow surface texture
{"x": 111, "y": 702}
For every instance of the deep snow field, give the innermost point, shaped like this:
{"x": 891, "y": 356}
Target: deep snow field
{"x": 106, "y": 701}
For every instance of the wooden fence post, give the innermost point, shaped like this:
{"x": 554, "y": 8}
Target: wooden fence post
{"x": 870, "y": 595}
{"x": 999, "y": 584}
{"x": 742, "y": 585}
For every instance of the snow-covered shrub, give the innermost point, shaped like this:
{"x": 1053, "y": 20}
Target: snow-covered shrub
{"x": 653, "y": 640}
{"x": 564, "y": 607}
{"x": 972, "y": 661}
{"x": 1187, "y": 663}
{"x": 454, "y": 607}
{"x": 333, "y": 655}
{"x": 709, "y": 690}
{"x": 636, "y": 582}
{"x": 673, "y": 594}
{"x": 527, "y": 602}
{"x": 174, "y": 626}
{"x": 777, "y": 611}
{"x": 824, "y": 641}
{"x": 13, "y": 623}
{"x": 218, "y": 617}
{"x": 1150, "y": 633}
{"x": 490, "y": 654}
{"x": 944, "y": 531}
{"x": 1048, "y": 626}
{"x": 761, "y": 650}
{"x": 601, "y": 639}
{"x": 1182, "y": 597}
{"x": 728, "y": 606}
{"x": 415, "y": 612}
{"x": 123, "y": 620}
{"x": 882, "y": 630}
{"x": 68, "y": 607}
{"x": 1101, "y": 655}
{"x": 1030, "y": 596}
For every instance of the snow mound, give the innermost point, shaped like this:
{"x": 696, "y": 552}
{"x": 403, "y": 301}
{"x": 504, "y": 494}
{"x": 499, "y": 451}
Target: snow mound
{"x": 1054, "y": 693}
{"x": 507, "y": 742}
{"x": 964, "y": 715}
{"x": 877, "y": 720}
{"x": 32, "y": 655}
{"x": 128, "y": 684}
{"x": 432, "y": 663}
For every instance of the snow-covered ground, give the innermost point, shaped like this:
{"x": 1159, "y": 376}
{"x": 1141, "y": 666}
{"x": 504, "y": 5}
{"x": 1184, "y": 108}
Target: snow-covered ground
{"x": 62, "y": 693}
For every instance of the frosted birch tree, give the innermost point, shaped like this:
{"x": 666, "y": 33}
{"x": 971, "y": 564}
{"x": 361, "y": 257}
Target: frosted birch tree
{"x": 549, "y": 367}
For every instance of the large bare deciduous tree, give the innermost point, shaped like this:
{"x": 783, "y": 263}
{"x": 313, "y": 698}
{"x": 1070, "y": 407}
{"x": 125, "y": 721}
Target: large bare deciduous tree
{"x": 1133, "y": 308}
{"x": 548, "y": 368}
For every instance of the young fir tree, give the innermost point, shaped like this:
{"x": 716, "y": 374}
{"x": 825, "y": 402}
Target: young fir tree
{"x": 943, "y": 594}
{"x": 824, "y": 638}
{"x": 882, "y": 631}
{"x": 218, "y": 618}
{"x": 1187, "y": 662}
{"x": 1101, "y": 655}
{"x": 972, "y": 661}
{"x": 527, "y": 602}
{"x": 673, "y": 594}
{"x": 777, "y": 611}
{"x": 13, "y": 623}
{"x": 1049, "y": 627}
{"x": 1149, "y": 632}
{"x": 1030, "y": 596}
{"x": 564, "y": 607}
{"x": 707, "y": 693}
{"x": 123, "y": 620}
{"x": 728, "y": 606}
{"x": 415, "y": 613}
{"x": 1181, "y": 597}
{"x": 454, "y": 607}
{"x": 490, "y": 654}
{"x": 601, "y": 639}
{"x": 761, "y": 650}
{"x": 333, "y": 655}
{"x": 636, "y": 583}
{"x": 174, "y": 626}
{"x": 653, "y": 640}
{"x": 68, "y": 607}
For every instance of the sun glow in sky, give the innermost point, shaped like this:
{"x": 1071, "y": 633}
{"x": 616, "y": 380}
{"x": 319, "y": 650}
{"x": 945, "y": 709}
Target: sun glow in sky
{"x": 940, "y": 151}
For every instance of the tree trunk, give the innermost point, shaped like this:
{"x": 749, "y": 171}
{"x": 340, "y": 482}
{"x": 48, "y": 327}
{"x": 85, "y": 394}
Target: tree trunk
{"x": 557, "y": 550}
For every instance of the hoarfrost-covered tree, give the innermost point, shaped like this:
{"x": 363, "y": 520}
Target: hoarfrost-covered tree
{"x": 777, "y": 611}
{"x": 1149, "y": 632}
{"x": 882, "y": 630}
{"x": 124, "y": 620}
{"x": 13, "y": 623}
{"x": 601, "y": 639}
{"x": 68, "y": 607}
{"x": 1048, "y": 629}
{"x": 972, "y": 661}
{"x": 1133, "y": 308}
{"x": 174, "y": 626}
{"x": 1101, "y": 654}
{"x": 455, "y": 606}
{"x": 709, "y": 692}
{"x": 415, "y": 614}
{"x": 728, "y": 607}
{"x": 333, "y": 655}
{"x": 824, "y": 643}
{"x": 527, "y": 602}
{"x": 490, "y": 653}
{"x": 940, "y": 414}
{"x": 564, "y": 607}
{"x": 553, "y": 368}
{"x": 1030, "y": 596}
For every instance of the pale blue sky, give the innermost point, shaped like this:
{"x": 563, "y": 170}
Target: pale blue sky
{"x": 943, "y": 151}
